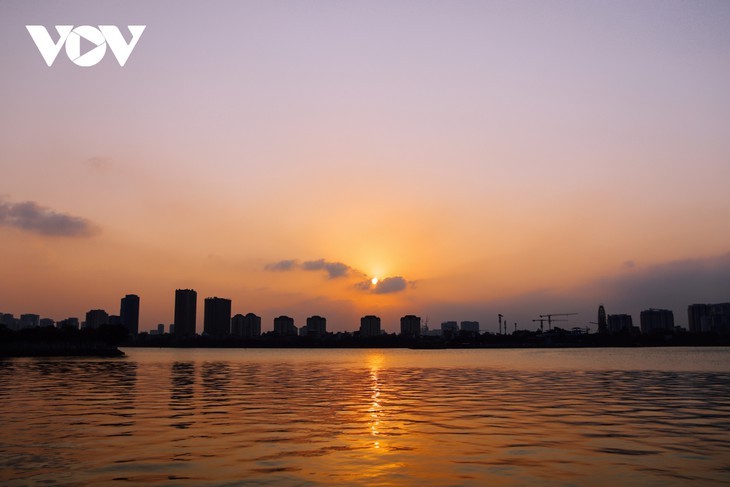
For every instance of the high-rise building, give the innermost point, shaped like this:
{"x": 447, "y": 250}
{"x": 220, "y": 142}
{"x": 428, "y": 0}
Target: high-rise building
{"x": 602, "y": 321}
{"x": 185, "y": 311}
{"x": 695, "y": 314}
{"x": 619, "y": 323}
{"x": 284, "y": 326}
{"x": 410, "y": 326}
{"x": 217, "y": 316}
{"x": 96, "y": 318}
{"x": 251, "y": 326}
{"x": 656, "y": 320}
{"x": 237, "y": 325}
{"x": 369, "y": 326}
{"x": 316, "y": 326}
{"x": 706, "y": 318}
{"x": 129, "y": 313}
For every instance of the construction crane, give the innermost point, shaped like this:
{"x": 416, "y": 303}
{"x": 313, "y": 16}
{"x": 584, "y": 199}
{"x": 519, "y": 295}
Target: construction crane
{"x": 543, "y": 320}
{"x": 550, "y": 318}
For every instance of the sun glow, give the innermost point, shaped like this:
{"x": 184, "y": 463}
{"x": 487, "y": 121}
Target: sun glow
{"x": 374, "y": 280}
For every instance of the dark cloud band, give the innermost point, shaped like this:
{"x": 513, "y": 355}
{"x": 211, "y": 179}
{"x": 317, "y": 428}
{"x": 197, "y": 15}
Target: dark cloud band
{"x": 32, "y": 217}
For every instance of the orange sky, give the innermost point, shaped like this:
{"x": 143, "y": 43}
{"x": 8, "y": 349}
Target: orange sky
{"x": 498, "y": 157}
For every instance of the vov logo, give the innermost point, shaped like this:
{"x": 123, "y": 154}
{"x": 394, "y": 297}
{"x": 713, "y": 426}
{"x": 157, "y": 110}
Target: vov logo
{"x": 71, "y": 37}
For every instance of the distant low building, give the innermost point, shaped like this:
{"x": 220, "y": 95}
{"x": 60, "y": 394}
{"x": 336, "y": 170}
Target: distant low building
{"x": 449, "y": 328}
{"x": 96, "y": 318}
{"x": 47, "y": 323}
{"x": 9, "y": 321}
{"x": 30, "y": 320}
{"x": 470, "y": 326}
{"x": 68, "y": 324}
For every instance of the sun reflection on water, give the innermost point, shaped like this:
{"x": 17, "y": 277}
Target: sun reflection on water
{"x": 375, "y": 362}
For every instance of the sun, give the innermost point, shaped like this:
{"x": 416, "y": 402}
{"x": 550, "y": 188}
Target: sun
{"x": 374, "y": 280}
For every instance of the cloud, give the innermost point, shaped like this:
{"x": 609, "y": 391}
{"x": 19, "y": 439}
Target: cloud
{"x": 384, "y": 286}
{"x": 32, "y": 217}
{"x": 674, "y": 284}
{"x": 334, "y": 269}
{"x": 282, "y": 265}
{"x": 98, "y": 164}
{"x": 390, "y": 285}
{"x": 337, "y": 270}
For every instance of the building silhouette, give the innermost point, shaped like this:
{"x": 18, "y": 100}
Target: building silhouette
{"x": 602, "y": 321}
{"x": 284, "y": 326}
{"x": 656, "y": 320}
{"x": 369, "y": 326}
{"x": 620, "y": 323}
{"x": 30, "y": 320}
{"x": 470, "y": 326}
{"x": 96, "y": 318}
{"x": 46, "y": 323}
{"x": 696, "y": 313}
{"x": 709, "y": 318}
{"x": 248, "y": 326}
{"x": 449, "y": 329}
{"x": 410, "y": 326}
{"x": 185, "y": 312}
{"x": 129, "y": 313}
{"x": 69, "y": 324}
{"x": 217, "y": 316}
{"x": 316, "y": 326}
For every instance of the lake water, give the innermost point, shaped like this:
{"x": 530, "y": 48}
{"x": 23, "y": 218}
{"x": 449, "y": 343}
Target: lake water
{"x": 369, "y": 417}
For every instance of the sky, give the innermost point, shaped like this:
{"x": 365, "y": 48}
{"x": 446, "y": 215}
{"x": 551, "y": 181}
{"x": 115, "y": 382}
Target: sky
{"x": 477, "y": 157}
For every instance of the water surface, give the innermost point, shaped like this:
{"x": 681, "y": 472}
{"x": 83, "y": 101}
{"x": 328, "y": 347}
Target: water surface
{"x": 368, "y": 417}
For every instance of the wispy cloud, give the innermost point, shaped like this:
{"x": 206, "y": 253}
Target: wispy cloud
{"x": 282, "y": 265}
{"x": 334, "y": 269}
{"x": 31, "y": 217}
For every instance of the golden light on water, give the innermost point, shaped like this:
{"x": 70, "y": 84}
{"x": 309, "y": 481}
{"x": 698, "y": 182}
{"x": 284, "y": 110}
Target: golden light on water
{"x": 375, "y": 362}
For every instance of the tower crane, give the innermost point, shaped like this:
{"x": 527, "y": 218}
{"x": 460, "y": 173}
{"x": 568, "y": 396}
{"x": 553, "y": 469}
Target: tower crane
{"x": 550, "y": 318}
{"x": 543, "y": 320}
